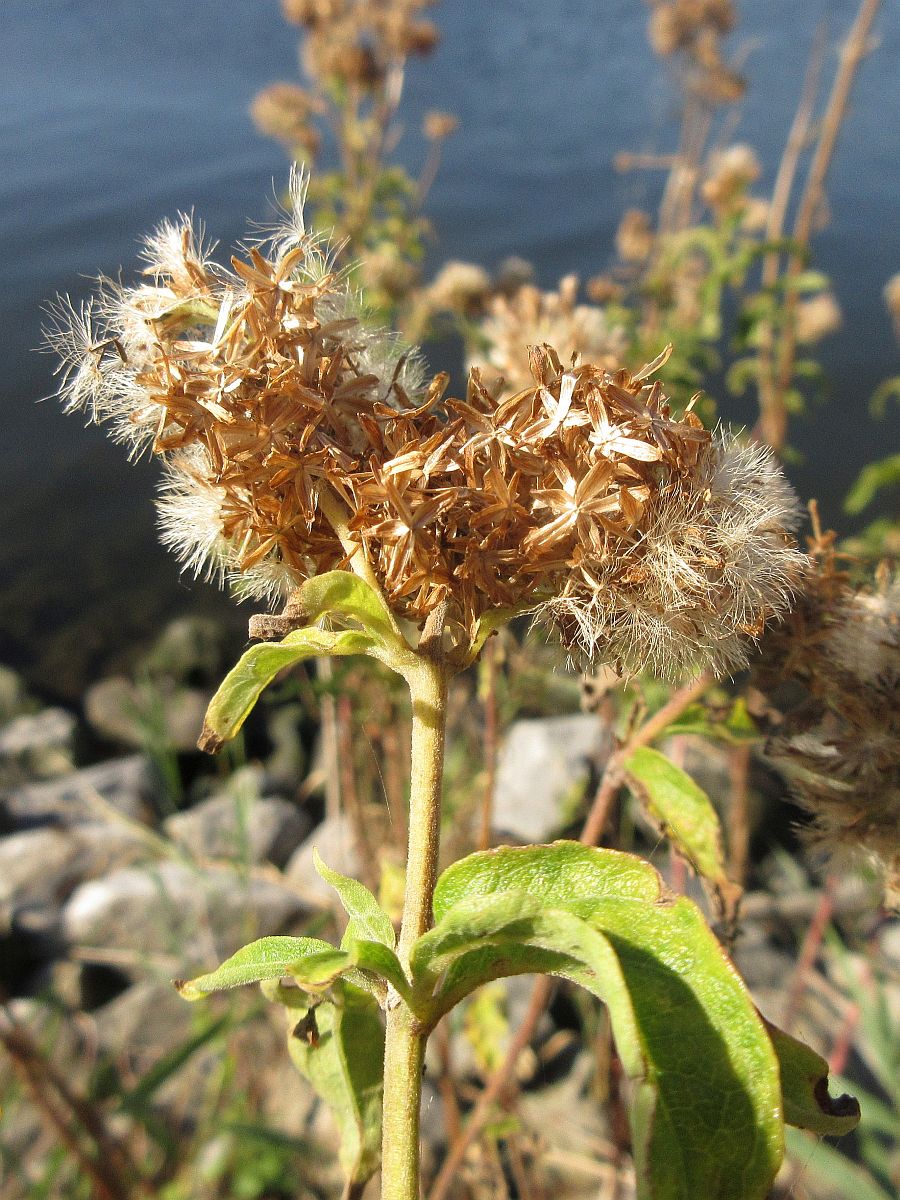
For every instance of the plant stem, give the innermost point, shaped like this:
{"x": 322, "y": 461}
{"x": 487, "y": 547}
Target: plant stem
{"x": 502, "y": 1080}
{"x": 405, "y": 1037}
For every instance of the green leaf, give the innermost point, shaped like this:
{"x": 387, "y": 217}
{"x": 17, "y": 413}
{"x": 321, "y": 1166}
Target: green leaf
{"x": 490, "y": 622}
{"x": 870, "y": 481}
{"x": 267, "y": 958}
{"x": 804, "y": 1087}
{"x": 339, "y": 1048}
{"x": 706, "y": 1103}
{"x": 886, "y": 391}
{"x": 806, "y": 281}
{"x": 682, "y": 809}
{"x": 317, "y": 972}
{"x": 736, "y": 728}
{"x": 244, "y": 683}
{"x": 516, "y": 924}
{"x": 741, "y": 374}
{"x": 367, "y": 918}
{"x": 344, "y": 594}
{"x": 563, "y": 875}
{"x": 381, "y": 960}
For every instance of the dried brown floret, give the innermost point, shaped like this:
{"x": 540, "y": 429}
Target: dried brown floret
{"x": 295, "y": 438}
{"x": 831, "y": 674}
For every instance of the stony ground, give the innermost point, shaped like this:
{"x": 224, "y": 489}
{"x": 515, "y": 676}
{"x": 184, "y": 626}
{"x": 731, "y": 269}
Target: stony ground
{"x": 125, "y": 861}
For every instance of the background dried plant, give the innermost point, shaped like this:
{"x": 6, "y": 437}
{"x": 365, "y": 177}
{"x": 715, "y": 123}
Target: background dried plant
{"x": 354, "y": 55}
{"x": 831, "y": 673}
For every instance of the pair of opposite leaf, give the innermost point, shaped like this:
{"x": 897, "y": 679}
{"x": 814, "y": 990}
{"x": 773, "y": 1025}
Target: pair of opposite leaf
{"x": 711, "y": 1083}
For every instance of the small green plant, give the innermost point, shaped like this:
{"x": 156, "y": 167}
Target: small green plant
{"x": 309, "y": 458}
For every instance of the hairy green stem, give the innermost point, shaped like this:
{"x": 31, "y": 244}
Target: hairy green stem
{"x": 405, "y": 1037}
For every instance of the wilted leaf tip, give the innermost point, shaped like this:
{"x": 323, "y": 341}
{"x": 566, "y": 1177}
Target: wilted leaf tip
{"x": 844, "y": 1107}
{"x": 186, "y": 990}
{"x": 209, "y": 741}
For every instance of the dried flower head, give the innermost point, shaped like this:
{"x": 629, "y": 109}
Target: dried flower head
{"x": 255, "y": 384}
{"x": 437, "y": 126}
{"x": 839, "y": 741}
{"x": 295, "y": 439}
{"x": 530, "y": 317}
{"x": 816, "y": 317}
{"x": 361, "y": 42}
{"x": 285, "y": 111}
{"x": 634, "y": 237}
{"x": 730, "y": 173}
{"x": 684, "y": 24}
{"x": 713, "y": 563}
{"x": 459, "y": 287}
{"x": 892, "y": 300}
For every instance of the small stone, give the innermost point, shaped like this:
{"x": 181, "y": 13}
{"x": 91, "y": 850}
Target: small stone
{"x": 38, "y": 745}
{"x": 145, "y": 1021}
{"x": 129, "y": 785}
{"x": 52, "y": 728}
{"x": 42, "y": 867}
{"x": 566, "y": 1112}
{"x": 287, "y": 761}
{"x": 139, "y": 714}
{"x": 176, "y": 918}
{"x": 544, "y": 767}
{"x": 190, "y": 650}
{"x": 13, "y": 694}
{"x": 336, "y": 845}
{"x": 254, "y": 829}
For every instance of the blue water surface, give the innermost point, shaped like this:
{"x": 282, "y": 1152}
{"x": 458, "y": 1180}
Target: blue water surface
{"x": 113, "y": 116}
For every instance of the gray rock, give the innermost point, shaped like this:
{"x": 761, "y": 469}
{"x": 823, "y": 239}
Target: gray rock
{"x": 40, "y": 868}
{"x": 247, "y": 830}
{"x": 176, "y": 918}
{"x": 143, "y": 1022}
{"x": 139, "y": 715}
{"x": 543, "y": 769}
{"x": 36, "y": 746}
{"x": 189, "y": 648}
{"x": 13, "y": 694}
{"x": 129, "y": 785}
{"x": 335, "y": 842}
{"x": 566, "y": 1113}
{"x": 51, "y": 729}
{"x": 149, "y": 1021}
{"x": 286, "y": 764}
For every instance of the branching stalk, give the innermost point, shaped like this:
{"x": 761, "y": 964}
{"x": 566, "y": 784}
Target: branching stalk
{"x": 772, "y": 426}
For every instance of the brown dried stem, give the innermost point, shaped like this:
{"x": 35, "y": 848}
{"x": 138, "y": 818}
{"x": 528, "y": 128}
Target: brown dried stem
{"x": 739, "y": 813}
{"x": 80, "y": 1127}
{"x": 809, "y": 951}
{"x": 775, "y": 383}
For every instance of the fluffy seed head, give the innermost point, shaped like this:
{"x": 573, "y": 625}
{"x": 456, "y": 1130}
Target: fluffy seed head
{"x": 530, "y": 317}
{"x": 839, "y": 741}
{"x": 295, "y": 437}
{"x": 713, "y": 563}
